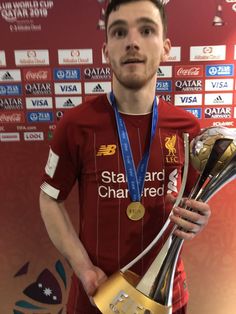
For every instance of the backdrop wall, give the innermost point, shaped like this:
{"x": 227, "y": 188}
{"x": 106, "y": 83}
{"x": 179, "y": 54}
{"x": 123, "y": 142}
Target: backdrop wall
{"x": 51, "y": 60}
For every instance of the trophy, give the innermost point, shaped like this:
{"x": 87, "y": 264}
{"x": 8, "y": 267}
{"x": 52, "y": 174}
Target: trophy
{"x": 213, "y": 154}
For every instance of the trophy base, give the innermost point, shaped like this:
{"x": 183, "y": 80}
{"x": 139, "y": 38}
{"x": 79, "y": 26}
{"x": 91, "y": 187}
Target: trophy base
{"x": 118, "y": 295}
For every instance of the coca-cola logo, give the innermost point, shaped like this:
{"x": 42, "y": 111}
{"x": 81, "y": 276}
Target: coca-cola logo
{"x": 12, "y": 117}
{"x": 37, "y": 75}
{"x": 189, "y": 71}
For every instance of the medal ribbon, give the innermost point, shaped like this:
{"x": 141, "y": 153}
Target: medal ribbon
{"x": 135, "y": 179}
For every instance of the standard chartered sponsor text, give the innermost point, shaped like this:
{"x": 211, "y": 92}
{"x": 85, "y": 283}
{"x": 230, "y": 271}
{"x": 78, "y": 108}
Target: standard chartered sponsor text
{"x": 110, "y": 178}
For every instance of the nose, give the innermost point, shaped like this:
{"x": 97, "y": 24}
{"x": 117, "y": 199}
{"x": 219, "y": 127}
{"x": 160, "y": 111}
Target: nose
{"x": 132, "y": 41}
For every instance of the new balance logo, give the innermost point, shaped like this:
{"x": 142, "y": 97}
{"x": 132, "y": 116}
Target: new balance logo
{"x": 7, "y": 76}
{"x": 106, "y": 150}
{"x": 98, "y": 89}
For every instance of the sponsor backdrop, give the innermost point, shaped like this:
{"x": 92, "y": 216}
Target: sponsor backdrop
{"x": 51, "y": 60}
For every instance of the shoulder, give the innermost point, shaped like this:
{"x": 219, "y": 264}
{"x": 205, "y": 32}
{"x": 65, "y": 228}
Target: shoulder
{"x": 174, "y": 117}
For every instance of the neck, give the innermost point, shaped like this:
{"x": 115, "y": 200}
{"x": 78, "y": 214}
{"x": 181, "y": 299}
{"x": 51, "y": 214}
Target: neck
{"x": 133, "y": 101}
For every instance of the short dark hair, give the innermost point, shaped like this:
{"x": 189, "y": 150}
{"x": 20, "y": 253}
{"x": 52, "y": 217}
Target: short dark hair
{"x": 113, "y": 4}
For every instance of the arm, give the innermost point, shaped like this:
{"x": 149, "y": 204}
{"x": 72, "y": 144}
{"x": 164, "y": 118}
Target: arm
{"x": 65, "y": 239}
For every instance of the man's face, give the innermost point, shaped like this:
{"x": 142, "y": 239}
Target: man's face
{"x": 135, "y": 45}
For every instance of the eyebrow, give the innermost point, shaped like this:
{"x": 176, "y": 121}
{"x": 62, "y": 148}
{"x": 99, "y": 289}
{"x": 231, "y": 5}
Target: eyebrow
{"x": 140, "y": 20}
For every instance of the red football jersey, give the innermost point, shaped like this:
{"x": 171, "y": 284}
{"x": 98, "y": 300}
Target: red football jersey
{"x": 86, "y": 148}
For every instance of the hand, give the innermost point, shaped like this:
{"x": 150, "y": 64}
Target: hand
{"x": 190, "y": 223}
{"x": 91, "y": 279}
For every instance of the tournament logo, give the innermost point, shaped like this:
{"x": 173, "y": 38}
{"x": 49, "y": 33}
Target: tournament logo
{"x": 10, "y": 89}
{"x": 220, "y": 70}
{"x": 164, "y": 86}
{"x": 97, "y": 73}
{"x": 38, "y": 89}
{"x": 44, "y": 116}
{"x": 197, "y": 112}
{"x": 170, "y": 143}
{"x": 218, "y": 113}
{"x": 67, "y": 74}
{"x": 188, "y": 85}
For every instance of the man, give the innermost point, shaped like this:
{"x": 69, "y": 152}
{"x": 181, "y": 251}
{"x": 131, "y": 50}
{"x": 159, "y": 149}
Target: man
{"x": 125, "y": 150}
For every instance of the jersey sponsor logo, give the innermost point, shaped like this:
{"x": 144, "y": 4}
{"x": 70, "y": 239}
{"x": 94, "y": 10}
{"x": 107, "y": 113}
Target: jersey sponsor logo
{"x": 10, "y": 76}
{"x": 188, "y": 85}
{"x": 42, "y": 103}
{"x": 109, "y": 179}
{"x": 206, "y": 53}
{"x": 164, "y": 71}
{"x": 75, "y": 56}
{"x": 39, "y": 74}
{"x": 197, "y": 112}
{"x": 164, "y": 86}
{"x": 189, "y": 71}
{"x": 188, "y": 99}
{"x": 220, "y": 70}
{"x": 218, "y": 113}
{"x": 2, "y": 59}
{"x": 31, "y": 57}
{"x": 67, "y": 88}
{"x": 38, "y": 89}
{"x": 217, "y": 84}
{"x": 106, "y": 150}
{"x": 97, "y": 73}
{"x": 44, "y": 116}
{"x": 11, "y": 103}
{"x": 67, "y": 74}
{"x": 170, "y": 143}
{"x": 219, "y": 99}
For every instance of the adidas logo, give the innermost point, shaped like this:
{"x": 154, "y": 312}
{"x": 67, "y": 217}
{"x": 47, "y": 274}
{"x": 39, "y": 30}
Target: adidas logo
{"x": 218, "y": 100}
{"x": 106, "y": 150}
{"x": 68, "y": 103}
{"x": 159, "y": 72}
{"x": 7, "y": 76}
{"x": 98, "y": 89}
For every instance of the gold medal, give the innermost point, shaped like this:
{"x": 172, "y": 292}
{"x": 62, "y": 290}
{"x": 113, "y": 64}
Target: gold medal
{"x": 135, "y": 211}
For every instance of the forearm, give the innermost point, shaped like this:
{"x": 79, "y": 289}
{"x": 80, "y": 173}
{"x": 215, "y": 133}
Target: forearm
{"x": 62, "y": 233}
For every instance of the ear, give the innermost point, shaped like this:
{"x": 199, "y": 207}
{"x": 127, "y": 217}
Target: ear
{"x": 166, "y": 50}
{"x": 105, "y": 52}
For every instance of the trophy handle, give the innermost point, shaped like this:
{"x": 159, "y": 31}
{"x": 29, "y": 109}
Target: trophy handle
{"x": 177, "y": 202}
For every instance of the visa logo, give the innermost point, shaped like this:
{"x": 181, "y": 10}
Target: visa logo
{"x": 224, "y": 84}
{"x": 68, "y": 88}
{"x": 188, "y": 99}
{"x": 40, "y": 103}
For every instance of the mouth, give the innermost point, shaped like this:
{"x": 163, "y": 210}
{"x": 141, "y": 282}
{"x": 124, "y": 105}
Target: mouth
{"x": 132, "y": 61}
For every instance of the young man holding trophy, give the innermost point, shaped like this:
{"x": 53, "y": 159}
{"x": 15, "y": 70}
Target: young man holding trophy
{"x": 126, "y": 150}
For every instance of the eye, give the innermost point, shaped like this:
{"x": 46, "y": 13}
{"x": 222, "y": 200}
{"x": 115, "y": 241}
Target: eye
{"x": 119, "y": 33}
{"x": 147, "y": 31}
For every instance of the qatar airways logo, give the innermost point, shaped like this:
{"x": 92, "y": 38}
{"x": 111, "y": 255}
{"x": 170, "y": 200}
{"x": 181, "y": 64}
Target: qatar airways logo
{"x": 189, "y": 71}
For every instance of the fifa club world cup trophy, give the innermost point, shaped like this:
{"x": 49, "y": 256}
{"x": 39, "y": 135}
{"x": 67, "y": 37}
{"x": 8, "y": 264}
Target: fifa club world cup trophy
{"x": 213, "y": 154}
